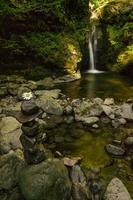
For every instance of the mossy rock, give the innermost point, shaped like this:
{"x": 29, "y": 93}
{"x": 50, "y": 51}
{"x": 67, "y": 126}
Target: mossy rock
{"x": 45, "y": 181}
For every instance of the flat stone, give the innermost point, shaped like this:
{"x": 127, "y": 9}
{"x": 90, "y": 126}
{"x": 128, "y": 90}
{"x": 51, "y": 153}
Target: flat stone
{"x": 114, "y": 150}
{"x": 50, "y": 105}
{"x": 117, "y": 191}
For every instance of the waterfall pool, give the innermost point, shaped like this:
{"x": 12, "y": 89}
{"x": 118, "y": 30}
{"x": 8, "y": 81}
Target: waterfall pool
{"x": 89, "y": 144}
{"x": 99, "y": 85}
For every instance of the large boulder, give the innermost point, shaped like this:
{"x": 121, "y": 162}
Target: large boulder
{"x": 45, "y": 181}
{"x": 8, "y": 124}
{"x": 117, "y": 191}
{"x": 10, "y": 167}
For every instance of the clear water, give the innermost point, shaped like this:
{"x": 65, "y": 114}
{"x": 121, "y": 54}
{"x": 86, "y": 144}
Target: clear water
{"x": 72, "y": 140}
{"x": 89, "y": 144}
{"x": 100, "y": 85}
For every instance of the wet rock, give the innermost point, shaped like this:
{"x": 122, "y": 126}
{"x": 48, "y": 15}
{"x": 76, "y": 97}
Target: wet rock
{"x": 45, "y": 181}
{"x": 30, "y": 130}
{"x": 117, "y": 191}
{"x": 127, "y": 111}
{"x": 79, "y": 184}
{"x": 9, "y": 124}
{"x": 68, "y": 78}
{"x": 129, "y": 142}
{"x": 109, "y": 101}
{"x": 114, "y": 150}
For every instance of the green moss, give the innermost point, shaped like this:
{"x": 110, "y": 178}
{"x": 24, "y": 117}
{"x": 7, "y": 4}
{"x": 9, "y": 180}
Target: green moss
{"x": 117, "y": 24}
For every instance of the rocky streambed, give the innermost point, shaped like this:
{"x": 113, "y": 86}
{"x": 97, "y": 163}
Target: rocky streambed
{"x": 99, "y": 131}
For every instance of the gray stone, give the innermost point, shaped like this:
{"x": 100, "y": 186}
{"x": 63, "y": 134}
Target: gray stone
{"x": 109, "y": 101}
{"x": 79, "y": 186}
{"x": 50, "y": 105}
{"x": 89, "y": 120}
{"x": 129, "y": 142}
{"x": 107, "y": 110}
{"x": 51, "y": 93}
{"x": 98, "y": 101}
{"x": 114, "y": 150}
{"x": 45, "y": 181}
{"x": 127, "y": 111}
{"x": 117, "y": 191}
{"x": 95, "y": 126}
{"x": 10, "y": 141}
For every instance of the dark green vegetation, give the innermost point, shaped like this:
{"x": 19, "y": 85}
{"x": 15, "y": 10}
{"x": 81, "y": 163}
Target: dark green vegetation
{"x": 44, "y": 34}
{"x": 116, "y": 21}
{"x": 50, "y": 37}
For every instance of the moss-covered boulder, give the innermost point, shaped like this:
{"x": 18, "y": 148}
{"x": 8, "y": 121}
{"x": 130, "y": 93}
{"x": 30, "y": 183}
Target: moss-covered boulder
{"x": 45, "y": 181}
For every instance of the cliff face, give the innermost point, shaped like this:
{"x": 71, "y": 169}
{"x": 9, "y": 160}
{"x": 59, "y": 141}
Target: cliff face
{"x": 117, "y": 45}
{"x": 42, "y": 33}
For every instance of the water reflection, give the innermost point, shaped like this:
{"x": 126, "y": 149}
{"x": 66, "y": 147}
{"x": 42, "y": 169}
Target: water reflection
{"x": 100, "y": 85}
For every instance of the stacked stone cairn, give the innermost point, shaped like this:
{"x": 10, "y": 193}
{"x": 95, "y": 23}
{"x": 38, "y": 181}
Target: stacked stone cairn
{"x": 30, "y": 138}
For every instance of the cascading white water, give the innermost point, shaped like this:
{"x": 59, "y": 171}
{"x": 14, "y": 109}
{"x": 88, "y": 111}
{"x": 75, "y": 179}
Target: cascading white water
{"x": 92, "y": 45}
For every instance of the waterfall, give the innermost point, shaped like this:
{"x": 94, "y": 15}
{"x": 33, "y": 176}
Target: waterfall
{"x": 92, "y": 46}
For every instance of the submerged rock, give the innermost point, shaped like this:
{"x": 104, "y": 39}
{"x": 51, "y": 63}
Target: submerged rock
{"x": 114, "y": 150}
{"x": 117, "y": 191}
{"x": 45, "y": 181}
